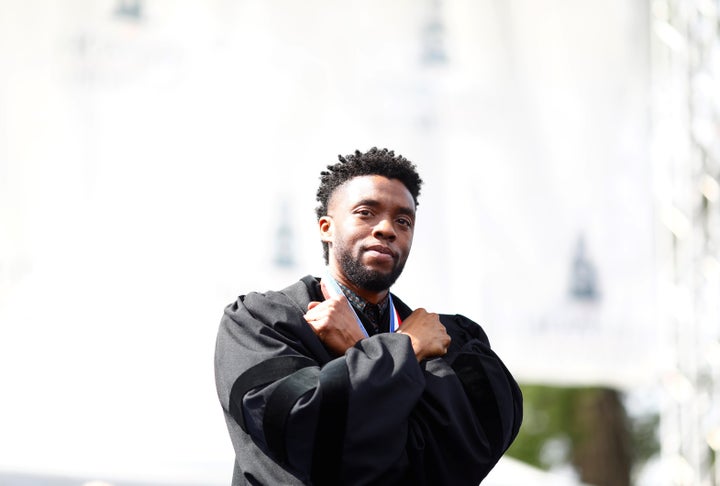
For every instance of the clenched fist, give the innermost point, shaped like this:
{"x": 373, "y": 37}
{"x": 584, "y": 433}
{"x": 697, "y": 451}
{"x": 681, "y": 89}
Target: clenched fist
{"x": 334, "y": 322}
{"x": 427, "y": 334}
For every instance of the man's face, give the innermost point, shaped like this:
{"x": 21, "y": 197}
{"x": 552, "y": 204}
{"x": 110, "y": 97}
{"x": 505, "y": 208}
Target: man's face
{"x": 369, "y": 229}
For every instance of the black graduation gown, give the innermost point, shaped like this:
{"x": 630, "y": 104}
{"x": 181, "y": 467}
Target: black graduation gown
{"x": 298, "y": 415}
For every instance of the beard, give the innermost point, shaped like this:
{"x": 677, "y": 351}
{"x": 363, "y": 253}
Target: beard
{"x": 366, "y": 278}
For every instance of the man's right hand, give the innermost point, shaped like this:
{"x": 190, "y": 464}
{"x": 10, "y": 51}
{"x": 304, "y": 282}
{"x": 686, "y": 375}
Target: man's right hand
{"x": 427, "y": 334}
{"x": 334, "y": 322}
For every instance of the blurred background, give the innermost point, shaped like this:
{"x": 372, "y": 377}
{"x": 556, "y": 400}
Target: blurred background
{"x": 160, "y": 157}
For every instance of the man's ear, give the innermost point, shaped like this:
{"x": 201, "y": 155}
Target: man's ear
{"x": 327, "y": 228}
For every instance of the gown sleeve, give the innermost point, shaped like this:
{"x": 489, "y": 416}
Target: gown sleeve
{"x": 299, "y": 405}
{"x": 469, "y": 413}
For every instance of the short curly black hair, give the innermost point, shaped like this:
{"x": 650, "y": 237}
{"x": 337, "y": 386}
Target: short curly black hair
{"x": 375, "y": 161}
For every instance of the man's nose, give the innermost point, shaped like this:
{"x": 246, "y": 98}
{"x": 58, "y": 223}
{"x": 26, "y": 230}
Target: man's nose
{"x": 384, "y": 229}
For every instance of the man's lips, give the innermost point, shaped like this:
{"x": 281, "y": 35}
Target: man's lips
{"x": 382, "y": 250}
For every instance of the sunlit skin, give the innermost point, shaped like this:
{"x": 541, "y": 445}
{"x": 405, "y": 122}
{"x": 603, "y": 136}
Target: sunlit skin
{"x": 371, "y": 221}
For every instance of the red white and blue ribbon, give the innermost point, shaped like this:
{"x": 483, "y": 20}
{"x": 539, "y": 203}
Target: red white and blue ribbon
{"x": 395, "y": 321}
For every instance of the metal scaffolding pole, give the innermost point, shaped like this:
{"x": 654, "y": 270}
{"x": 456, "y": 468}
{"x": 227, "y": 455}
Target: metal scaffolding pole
{"x": 685, "y": 53}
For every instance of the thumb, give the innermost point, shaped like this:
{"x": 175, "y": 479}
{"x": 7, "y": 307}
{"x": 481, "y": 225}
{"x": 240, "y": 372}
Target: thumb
{"x": 313, "y": 304}
{"x": 324, "y": 289}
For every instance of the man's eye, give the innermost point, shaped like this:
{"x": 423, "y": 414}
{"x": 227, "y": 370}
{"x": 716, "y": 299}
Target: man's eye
{"x": 364, "y": 212}
{"x": 405, "y": 222}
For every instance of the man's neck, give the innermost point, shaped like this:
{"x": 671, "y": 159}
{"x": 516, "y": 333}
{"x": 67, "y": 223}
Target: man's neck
{"x": 368, "y": 295}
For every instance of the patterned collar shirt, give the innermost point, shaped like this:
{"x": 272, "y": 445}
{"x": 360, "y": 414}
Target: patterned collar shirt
{"x": 372, "y": 312}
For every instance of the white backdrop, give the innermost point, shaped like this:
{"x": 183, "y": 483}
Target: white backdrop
{"x": 145, "y": 163}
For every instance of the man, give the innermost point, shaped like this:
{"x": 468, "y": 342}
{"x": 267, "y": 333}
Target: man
{"x": 336, "y": 381}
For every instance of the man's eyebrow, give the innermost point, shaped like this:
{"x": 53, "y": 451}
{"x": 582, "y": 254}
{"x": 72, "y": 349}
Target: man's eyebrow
{"x": 407, "y": 211}
{"x": 368, "y": 202}
{"x": 373, "y": 203}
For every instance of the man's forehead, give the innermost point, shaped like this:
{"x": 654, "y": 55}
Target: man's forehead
{"x": 372, "y": 187}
